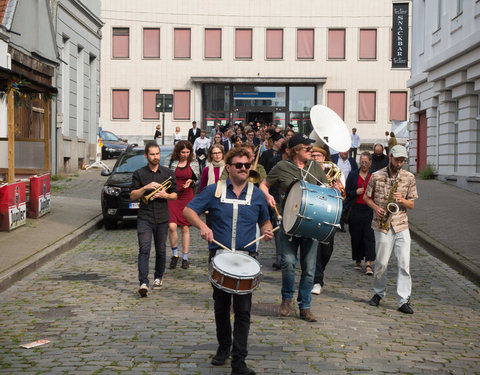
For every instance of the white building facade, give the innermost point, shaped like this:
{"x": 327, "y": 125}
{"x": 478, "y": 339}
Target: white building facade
{"x": 445, "y": 88}
{"x": 78, "y": 36}
{"x": 250, "y": 60}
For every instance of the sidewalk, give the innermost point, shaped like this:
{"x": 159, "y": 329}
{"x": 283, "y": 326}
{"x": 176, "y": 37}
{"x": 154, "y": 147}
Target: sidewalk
{"x": 75, "y": 213}
{"x": 444, "y": 221}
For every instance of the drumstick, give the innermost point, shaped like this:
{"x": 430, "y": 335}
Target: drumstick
{"x": 279, "y": 217}
{"x": 259, "y": 238}
{"x": 221, "y": 245}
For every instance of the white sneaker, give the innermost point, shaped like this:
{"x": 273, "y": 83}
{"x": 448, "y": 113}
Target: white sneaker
{"x": 143, "y": 290}
{"x": 157, "y": 284}
{"x": 317, "y": 289}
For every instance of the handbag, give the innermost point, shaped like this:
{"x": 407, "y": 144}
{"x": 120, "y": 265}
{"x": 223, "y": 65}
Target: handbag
{"x": 347, "y": 213}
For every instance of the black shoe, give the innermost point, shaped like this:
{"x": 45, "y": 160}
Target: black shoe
{"x": 185, "y": 264}
{"x": 375, "y": 301}
{"x": 342, "y": 229}
{"x": 221, "y": 356}
{"x": 276, "y": 266}
{"x": 243, "y": 371}
{"x": 173, "y": 263}
{"x": 405, "y": 308}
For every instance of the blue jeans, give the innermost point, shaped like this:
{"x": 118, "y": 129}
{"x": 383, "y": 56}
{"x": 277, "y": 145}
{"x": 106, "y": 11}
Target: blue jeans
{"x": 308, "y": 256}
{"x": 146, "y": 231}
{"x": 399, "y": 243}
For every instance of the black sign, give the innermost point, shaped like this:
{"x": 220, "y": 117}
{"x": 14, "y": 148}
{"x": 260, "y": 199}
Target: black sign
{"x": 400, "y": 36}
{"x": 164, "y": 102}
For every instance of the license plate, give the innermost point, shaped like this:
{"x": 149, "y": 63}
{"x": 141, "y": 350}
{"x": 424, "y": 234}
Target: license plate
{"x": 134, "y": 205}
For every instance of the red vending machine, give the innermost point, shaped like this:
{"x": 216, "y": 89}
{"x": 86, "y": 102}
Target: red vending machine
{"x": 13, "y": 206}
{"x": 39, "y": 202}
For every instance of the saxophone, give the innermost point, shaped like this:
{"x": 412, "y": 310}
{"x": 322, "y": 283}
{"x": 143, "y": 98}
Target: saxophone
{"x": 391, "y": 208}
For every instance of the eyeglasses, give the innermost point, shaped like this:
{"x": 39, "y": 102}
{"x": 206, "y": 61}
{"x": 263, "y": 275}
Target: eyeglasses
{"x": 240, "y": 165}
{"x": 364, "y": 162}
{"x": 217, "y": 153}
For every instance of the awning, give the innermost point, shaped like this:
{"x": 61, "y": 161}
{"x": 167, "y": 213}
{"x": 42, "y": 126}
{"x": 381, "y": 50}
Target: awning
{"x": 261, "y": 80}
{"x": 32, "y": 87}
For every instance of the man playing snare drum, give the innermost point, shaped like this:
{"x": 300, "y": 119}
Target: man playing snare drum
{"x": 235, "y": 207}
{"x": 298, "y": 166}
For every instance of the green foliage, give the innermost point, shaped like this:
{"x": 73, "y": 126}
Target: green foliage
{"x": 428, "y": 173}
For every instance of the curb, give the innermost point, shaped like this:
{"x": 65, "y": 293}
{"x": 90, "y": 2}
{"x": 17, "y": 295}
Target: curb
{"x": 27, "y": 266}
{"x": 454, "y": 259}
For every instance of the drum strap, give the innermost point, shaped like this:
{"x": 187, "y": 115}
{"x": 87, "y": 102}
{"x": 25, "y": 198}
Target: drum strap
{"x": 236, "y": 203}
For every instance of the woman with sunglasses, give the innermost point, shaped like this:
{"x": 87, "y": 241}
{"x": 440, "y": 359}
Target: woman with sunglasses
{"x": 299, "y": 166}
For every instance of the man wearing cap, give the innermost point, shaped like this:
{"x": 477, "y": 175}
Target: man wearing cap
{"x": 397, "y": 185}
{"x": 298, "y": 166}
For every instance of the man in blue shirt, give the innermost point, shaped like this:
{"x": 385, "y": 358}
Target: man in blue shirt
{"x": 234, "y": 210}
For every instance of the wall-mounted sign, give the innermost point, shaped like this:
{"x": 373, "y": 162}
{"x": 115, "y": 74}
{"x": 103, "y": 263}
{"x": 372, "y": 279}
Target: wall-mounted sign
{"x": 400, "y": 36}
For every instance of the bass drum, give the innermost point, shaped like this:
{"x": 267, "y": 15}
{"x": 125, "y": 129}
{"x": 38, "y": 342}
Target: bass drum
{"x": 312, "y": 211}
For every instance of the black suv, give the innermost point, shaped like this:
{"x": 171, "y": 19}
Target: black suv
{"x": 116, "y": 204}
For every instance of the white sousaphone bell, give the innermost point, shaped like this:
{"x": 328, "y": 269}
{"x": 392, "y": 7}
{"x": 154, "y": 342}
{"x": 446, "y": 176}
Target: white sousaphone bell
{"x": 329, "y": 129}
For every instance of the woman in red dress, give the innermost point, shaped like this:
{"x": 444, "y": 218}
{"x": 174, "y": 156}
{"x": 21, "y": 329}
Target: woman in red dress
{"x": 183, "y": 163}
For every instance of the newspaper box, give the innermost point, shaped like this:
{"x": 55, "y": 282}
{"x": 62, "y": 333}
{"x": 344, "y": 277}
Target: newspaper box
{"x": 39, "y": 202}
{"x": 13, "y": 206}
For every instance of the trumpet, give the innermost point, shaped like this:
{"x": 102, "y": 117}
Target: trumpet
{"x": 163, "y": 186}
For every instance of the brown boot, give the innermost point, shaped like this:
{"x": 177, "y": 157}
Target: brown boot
{"x": 307, "y": 315}
{"x": 286, "y": 308}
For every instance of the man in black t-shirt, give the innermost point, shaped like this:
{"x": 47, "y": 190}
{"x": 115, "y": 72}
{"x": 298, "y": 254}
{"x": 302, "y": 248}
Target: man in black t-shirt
{"x": 152, "y": 216}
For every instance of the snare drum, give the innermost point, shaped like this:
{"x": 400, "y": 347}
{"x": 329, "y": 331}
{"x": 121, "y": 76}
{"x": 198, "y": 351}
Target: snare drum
{"x": 312, "y": 211}
{"x": 235, "y": 272}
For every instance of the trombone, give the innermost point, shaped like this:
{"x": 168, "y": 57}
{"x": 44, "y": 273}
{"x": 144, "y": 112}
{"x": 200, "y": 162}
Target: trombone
{"x": 254, "y": 177}
{"x": 163, "y": 186}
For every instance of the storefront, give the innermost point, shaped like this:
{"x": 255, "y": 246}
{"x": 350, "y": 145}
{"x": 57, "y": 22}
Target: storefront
{"x": 275, "y": 102}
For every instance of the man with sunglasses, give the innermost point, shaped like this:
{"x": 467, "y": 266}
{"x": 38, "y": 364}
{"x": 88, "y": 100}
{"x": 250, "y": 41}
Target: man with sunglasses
{"x": 298, "y": 166}
{"x": 397, "y": 237}
{"x": 234, "y": 214}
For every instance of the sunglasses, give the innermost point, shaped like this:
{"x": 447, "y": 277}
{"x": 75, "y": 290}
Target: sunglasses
{"x": 308, "y": 148}
{"x": 240, "y": 165}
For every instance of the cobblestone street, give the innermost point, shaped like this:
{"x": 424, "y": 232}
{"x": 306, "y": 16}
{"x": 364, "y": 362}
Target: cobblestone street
{"x": 86, "y": 303}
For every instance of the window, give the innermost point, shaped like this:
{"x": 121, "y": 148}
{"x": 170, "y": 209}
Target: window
{"x": 366, "y": 106}
{"x": 243, "y": 43}
{"x": 181, "y": 48}
{"x": 336, "y": 44}
{"x": 336, "y": 102}
{"x": 368, "y": 44}
{"x": 301, "y": 98}
{"x": 151, "y": 43}
{"x": 305, "y": 38}
{"x": 120, "y": 48}
{"x": 181, "y": 105}
{"x": 274, "y": 44}
{"x": 120, "y": 104}
{"x": 398, "y": 106}
{"x": 213, "y": 43}
{"x": 149, "y": 112}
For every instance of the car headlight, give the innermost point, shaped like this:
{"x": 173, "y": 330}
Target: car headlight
{"x": 111, "y": 190}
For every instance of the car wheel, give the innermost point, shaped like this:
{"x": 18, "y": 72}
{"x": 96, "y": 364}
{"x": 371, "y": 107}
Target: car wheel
{"x": 110, "y": 224}
{"x": 104, "y": 156}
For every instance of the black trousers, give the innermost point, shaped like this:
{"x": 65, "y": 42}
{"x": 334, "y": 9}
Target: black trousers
{"x": 241, "y": 327}
{"x": 352, "y": 153}
{"x": 361, "y": 233}
{"x": 324, "y": 252}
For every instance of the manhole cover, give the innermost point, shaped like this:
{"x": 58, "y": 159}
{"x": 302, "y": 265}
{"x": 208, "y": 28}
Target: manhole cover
{"x": 265, "y": 309}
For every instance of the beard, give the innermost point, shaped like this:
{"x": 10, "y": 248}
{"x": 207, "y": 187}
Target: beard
{"x": 393, "y": 168}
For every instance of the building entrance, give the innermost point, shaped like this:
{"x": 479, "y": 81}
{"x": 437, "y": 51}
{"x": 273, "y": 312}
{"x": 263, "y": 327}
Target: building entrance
{"x": 262, "y": 117}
